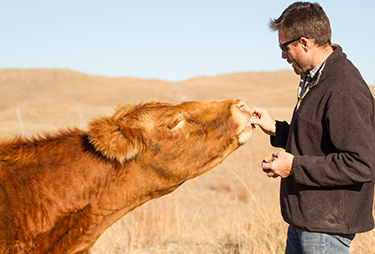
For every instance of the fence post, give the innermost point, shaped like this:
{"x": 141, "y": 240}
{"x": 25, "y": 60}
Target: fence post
{"x": 80, "y": 117}
{"x": 20, "y": 121}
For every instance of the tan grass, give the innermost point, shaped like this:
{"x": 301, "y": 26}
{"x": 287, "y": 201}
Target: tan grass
{"x": 232, "y": 209}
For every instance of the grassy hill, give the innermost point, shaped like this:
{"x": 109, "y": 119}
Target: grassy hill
{"x": 232, "y": 209}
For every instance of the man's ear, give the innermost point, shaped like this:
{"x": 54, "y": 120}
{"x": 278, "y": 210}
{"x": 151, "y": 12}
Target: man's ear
{"x": 306, "y": 43}
{"x": 115, "y": 141}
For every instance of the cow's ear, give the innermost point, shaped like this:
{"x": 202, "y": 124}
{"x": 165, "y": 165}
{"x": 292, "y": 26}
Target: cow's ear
{"x": 114, "y": 140}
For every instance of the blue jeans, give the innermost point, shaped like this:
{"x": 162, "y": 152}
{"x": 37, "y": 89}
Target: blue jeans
{"x": 304, "y": 242}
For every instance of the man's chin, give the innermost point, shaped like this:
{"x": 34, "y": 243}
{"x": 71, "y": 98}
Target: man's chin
{"x": 297, "y": 70}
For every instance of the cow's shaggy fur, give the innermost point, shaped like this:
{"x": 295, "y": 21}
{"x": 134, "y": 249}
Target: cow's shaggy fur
{"x": 59, "y": 193}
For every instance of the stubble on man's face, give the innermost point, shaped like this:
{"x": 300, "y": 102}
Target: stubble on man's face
{"x": 298, "y": 62}
{"x": 297, "y": 69}
{"x": 291, "y": 55}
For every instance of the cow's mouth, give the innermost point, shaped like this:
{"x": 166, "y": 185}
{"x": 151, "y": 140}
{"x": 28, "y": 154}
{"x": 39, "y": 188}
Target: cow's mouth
{"x": 245, "y": 134}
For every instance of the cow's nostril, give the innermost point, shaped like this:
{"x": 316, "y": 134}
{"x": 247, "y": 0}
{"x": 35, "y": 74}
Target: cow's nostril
{"x": 242, "y": 106}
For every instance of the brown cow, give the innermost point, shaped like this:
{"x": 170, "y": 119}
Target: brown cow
{"x": 59, "y": 193}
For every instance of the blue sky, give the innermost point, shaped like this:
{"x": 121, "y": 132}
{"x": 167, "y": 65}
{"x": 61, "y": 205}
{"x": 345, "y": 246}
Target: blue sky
{"x": 171, "y": 40}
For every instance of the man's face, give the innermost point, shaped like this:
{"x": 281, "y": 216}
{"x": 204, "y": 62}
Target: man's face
{"x": 293, "y": 53}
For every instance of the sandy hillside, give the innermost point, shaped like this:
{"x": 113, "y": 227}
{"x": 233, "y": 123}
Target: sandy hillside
{"x": 231, "y": 209}
{"x": 47, "y": 99}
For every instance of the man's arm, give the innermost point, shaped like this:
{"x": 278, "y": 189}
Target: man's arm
{"x": 282, "y": 164}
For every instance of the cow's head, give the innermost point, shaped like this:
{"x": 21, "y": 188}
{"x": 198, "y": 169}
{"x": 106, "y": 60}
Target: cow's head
{"x": 191, "y": 136}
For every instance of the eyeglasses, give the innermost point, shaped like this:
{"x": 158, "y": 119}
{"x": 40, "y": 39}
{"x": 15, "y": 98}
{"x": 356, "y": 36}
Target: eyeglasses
{"x": 284, "y": 46}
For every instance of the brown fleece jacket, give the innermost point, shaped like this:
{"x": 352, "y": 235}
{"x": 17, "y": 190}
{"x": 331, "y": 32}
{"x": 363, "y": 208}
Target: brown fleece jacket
{"x": 332, "y": 136}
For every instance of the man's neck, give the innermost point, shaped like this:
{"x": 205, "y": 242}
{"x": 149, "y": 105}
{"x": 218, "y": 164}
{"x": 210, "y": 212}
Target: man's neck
{"x": 321, "y": 54}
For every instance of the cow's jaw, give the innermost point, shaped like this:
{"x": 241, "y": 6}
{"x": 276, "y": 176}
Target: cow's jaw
{"x": 245, "y": 134}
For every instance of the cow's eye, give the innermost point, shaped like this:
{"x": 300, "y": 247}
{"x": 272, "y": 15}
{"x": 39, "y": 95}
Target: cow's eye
{"x": 176, "y": 123}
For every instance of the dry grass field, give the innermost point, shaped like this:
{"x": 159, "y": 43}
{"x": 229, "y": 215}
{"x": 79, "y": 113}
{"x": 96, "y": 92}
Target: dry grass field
{"x": 233, "y": 208}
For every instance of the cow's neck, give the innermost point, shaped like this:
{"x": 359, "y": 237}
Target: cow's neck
{"x": 131, "y": 187}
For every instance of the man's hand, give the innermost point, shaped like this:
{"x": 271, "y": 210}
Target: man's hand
{"x": 281, "y": 165}
{"x": 264, "y": 120}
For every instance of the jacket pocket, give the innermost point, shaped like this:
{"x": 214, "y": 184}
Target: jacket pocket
{"x": 321, "y": 208}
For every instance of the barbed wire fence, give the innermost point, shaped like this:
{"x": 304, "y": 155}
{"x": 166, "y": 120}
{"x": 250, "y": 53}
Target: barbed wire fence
{"x": 20, "y": 124}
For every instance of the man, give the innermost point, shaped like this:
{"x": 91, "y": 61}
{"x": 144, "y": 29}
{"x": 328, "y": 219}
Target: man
{"x": 327, "y": 168}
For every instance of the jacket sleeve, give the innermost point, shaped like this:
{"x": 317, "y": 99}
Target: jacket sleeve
{"x": 349, "y": 121}
{"x": 281, "y": 137}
